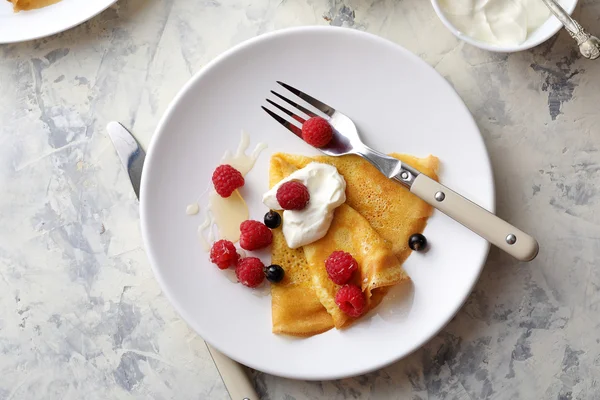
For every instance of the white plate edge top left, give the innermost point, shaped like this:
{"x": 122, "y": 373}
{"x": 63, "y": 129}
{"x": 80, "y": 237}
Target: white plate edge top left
{"x": 35, "y": 24}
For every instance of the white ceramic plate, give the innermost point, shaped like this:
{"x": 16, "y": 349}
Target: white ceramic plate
{"x": 399, "y": 104}
{"x": 35, "y": 24}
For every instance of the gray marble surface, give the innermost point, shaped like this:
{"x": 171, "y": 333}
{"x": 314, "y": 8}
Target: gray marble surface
{"x": 83, "y": 317}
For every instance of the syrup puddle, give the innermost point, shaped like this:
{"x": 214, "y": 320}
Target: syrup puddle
{"x": 227, "y": 213}
{"x": 230, "y": 274}
{"x": 207, "y": 225}
{"x": 263, "y": 290}
{"x": 240, "y": 160}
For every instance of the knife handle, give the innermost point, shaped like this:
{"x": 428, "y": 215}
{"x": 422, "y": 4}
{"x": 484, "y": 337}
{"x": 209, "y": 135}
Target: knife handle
{"x": 236, "y": 380}
{"x": 487, "y": 225}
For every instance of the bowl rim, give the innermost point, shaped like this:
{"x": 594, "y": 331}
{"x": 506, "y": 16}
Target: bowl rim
{"x": 555, "y": 26}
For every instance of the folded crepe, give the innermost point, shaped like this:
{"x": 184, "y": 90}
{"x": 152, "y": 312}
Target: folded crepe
{"x": 350, "y": 232}
{"x": 373, "y": 225}
{"x": 295, "y": 307}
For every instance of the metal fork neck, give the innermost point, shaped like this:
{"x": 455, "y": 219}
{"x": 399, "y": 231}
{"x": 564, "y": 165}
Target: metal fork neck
{"x": 389, "y": 166}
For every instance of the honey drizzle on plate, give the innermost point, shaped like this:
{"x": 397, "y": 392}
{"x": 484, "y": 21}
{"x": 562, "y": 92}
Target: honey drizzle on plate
{"x": 227, "y": 213}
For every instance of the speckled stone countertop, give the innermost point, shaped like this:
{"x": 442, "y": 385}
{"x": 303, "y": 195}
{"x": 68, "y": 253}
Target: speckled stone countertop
{"x": 83, "y": 317}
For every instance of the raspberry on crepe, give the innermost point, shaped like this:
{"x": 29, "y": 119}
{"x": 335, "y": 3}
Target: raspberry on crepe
{"x": 340, "y": 266}
{"x": 293, "y": 196}
{"x": 351, "y": 300}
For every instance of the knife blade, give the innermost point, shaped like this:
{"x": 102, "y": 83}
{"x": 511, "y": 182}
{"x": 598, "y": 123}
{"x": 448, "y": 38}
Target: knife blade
{"x": 132, "y": 157}
{"x": 130, "y": 153}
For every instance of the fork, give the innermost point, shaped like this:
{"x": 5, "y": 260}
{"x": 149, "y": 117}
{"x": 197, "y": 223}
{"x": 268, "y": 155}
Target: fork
{"x": 346, "y": 141}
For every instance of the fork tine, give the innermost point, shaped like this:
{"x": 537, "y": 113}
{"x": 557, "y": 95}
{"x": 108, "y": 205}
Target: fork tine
{"x": 293, "y": 104}
{"x": 310, "y": 100}
{"x": 288, "y": 112}
{"x": 283, "y": 122}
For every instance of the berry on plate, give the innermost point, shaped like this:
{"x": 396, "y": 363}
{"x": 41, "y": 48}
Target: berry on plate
{"x": 272, "y": 219}
{"x": 274, "y": 273}
{"x": 249, "y": 271}
{"x": 226, "y": 179}
{"x": 340, "y": 266}
{"x": 317, "y": 132}
{"x": 254, "y": 235}
{"x": 292, "y": 195}
{"x": 224, "y": 254}
{"x": 351, "y": 300}
{"x": 417, "y": 242}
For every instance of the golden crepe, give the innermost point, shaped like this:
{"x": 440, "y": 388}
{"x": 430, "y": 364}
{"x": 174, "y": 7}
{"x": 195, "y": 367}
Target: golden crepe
{"x": 350, "y": 232}
{"x": 303, "y": 304}
{"x": 22, "y": 5}
{"x": 390, "y": 208}
{"x": 373, "y": 225}
{"x": 296, "y": 309}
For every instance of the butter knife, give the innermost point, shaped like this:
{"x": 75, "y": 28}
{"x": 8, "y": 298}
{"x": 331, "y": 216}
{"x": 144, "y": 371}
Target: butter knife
{"x": 132, "y": 156}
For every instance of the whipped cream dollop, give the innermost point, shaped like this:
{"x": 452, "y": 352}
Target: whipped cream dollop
{"x": 327, "y": 189}
{"x": 503, "y": 22}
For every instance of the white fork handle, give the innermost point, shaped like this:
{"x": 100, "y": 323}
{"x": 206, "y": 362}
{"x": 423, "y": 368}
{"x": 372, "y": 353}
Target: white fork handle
{"x": 487, "y": 225}
{"x": 236, "y": 380}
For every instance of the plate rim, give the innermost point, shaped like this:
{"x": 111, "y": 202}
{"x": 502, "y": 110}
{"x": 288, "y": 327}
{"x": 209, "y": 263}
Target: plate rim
{"x": 160, "y": 131}
{"x": 54, "y": 31}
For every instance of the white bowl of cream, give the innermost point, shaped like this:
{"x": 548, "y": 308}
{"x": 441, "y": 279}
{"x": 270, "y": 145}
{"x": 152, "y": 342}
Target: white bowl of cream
{"x": 500, "y": 25}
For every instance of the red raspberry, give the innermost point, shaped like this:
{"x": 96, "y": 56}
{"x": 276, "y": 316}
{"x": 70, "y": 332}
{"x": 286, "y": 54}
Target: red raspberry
{"x": 254, "y": 235}
{"x": 226, "y": 179}
{"x": 292, "y": 195}
{"x": 249, "y": 271}
{"x": 350, "y": 300}
{"x": 317, "y": 132}
{"x": 224, "y": 254}
{"x": 340, "y": 266}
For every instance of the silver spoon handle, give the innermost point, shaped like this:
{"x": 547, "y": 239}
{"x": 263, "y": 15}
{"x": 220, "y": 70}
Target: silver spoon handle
{"x": 589, "y": 45}
{"x": 569, "y": 23}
